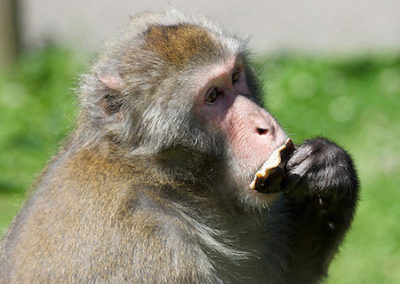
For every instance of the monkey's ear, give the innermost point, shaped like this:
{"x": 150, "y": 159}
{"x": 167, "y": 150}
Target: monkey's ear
{"x": 111, "y": 105}
{"x": 111, "y": 82}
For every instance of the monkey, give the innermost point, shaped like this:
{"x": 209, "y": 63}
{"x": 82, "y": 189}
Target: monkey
{"x": 152, "y": 186}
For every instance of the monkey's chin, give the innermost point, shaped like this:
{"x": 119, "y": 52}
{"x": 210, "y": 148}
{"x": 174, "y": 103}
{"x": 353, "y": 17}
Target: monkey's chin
{"x": 268, "y": 197}
{"x": 257, "y": 200}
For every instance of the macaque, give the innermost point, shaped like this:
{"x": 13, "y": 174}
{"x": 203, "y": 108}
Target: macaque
{"x": 153, "y": 185}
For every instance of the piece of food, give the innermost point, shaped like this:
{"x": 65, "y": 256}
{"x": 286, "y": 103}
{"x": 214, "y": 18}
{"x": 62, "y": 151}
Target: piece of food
{"x": 271, "y": 171}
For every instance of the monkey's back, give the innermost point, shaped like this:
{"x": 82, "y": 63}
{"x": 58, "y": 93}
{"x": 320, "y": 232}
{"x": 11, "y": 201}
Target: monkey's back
{"x": 95, "y": 218}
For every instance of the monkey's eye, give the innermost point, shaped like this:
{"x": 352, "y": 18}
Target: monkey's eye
{"x": 212, "y": 96}
{"x": 235, "y": 76}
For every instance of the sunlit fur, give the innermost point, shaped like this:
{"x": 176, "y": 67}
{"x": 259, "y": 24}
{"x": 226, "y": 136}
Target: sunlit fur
{"x": 144, "y": 191}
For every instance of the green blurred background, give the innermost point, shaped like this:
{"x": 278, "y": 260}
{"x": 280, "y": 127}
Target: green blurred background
{"x": 353, "y": 100}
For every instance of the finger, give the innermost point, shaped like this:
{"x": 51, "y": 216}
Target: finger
{"x": 299, "y": 156}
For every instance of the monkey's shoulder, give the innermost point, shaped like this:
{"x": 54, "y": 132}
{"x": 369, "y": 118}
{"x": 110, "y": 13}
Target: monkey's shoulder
{"x": 124, "y": 187}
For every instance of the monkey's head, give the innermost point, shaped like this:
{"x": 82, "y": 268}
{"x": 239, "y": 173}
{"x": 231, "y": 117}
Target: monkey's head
{"x": 174, "y": 84}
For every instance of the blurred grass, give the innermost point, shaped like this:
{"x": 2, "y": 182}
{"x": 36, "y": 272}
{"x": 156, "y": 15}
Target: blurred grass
{"x": 37, "y": 109}
{"x": 355, "y": 101}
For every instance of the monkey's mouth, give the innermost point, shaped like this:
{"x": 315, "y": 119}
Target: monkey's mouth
{"x": 269, "y": 178}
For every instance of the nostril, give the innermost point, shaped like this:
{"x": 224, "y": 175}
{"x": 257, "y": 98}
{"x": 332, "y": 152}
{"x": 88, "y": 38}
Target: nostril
{"x": 262, "y": 131}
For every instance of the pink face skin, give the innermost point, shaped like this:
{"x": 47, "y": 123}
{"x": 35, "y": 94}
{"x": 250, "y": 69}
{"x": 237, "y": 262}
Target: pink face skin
{"x": 224, "y": 100}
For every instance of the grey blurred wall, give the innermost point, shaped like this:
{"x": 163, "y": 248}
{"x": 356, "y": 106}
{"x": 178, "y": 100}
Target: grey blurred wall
{"x": 306, "y": 25}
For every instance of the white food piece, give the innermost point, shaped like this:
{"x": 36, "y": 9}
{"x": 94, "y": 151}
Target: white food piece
{"x": 270, "y": 165}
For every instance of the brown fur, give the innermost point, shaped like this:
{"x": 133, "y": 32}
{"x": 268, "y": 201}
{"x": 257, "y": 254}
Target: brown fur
{"x": 90, "y": 199}
{"x": 180, "y": 44}
{"x": 144, "y": 191}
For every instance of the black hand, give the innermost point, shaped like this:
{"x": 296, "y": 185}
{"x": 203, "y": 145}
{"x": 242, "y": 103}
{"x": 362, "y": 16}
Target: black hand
{"x": 320, "y": 167}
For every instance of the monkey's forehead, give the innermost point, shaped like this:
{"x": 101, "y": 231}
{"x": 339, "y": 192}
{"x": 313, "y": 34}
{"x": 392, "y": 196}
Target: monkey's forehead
{"x": 181, "y": 44}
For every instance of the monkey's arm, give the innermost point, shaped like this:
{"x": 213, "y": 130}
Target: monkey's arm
{"x": 322, "y": 192}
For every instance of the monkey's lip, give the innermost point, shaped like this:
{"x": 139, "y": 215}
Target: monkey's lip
{"x": 269, "y": 177}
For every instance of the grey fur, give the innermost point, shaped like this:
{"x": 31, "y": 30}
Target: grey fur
{"x": 143, "y": 192}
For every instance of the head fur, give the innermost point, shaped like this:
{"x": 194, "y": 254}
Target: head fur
{"x": 137, "y": 93}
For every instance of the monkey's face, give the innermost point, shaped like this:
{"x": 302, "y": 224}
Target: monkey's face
{"x": 224, "y": 100}
{"x": 179, "y": 71}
